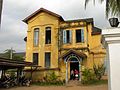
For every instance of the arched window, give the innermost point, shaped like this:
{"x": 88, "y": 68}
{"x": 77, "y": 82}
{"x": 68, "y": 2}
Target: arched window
{"x": 36, "y": 36}
{"x": 48, "y": 35}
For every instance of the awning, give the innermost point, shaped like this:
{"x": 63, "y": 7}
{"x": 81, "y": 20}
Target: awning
{"x": 10, "y": 63}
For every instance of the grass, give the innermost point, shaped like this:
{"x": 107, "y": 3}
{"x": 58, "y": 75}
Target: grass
{"x": 96, "y": 82}
{"x": 101, "y": 82}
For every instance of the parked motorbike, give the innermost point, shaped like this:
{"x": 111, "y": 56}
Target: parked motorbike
{"x": 8, "y": 82}
{"x": 5, "y": 82}
{"x": 24, "y": 81}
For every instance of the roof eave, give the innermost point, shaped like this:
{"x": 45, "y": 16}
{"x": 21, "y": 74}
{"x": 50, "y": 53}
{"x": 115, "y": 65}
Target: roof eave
{"x": 42, "y": 9}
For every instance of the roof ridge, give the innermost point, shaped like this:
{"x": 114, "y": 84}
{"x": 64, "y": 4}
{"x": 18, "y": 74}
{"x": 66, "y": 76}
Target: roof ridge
{"x": 79, "y": 19}
{"x": 42, "y": 9}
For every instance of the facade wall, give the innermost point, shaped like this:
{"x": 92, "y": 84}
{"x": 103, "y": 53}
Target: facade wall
{"x": 41, "y": 21}
{"x": 91, "y": 47}
{"x": 73, "y": 44}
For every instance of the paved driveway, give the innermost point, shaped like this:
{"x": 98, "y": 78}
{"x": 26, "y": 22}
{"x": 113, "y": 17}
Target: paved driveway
{"x": 98, "y": 87}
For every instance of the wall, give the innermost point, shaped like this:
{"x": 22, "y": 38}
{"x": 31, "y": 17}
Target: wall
{"x": 41, "y": 21}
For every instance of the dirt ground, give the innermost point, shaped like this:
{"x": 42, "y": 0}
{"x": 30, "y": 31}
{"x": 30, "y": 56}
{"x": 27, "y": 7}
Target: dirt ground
{"x": 97, "y": 87}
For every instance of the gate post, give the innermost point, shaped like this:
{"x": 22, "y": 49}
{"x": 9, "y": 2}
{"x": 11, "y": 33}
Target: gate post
{"x": 111, "y": 41}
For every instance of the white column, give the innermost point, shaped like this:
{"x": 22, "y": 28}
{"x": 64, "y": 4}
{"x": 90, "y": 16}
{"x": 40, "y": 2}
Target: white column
{"x": 111, "y": 41}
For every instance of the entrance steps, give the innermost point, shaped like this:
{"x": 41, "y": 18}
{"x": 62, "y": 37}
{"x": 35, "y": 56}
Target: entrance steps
{"x": 73, "y": 83}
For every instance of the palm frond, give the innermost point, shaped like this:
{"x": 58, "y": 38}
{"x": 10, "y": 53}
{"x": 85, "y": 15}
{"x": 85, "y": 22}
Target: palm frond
{"x": 107, "y": 8}
{"x": 86, "y": 2}
{"x": 112, "y": 7}
{"x": 118, "y": 5}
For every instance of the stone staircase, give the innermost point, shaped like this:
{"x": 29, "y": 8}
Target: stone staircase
{"x": 72, "y": 83}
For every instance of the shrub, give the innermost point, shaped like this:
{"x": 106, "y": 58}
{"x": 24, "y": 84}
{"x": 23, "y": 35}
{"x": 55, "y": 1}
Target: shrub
{"x": 52, "y": 76}
{"x": 88, "y": 76}
{"x": 50, "y": 79}
{"x": 99, "y": 71}
{"x": 93, "y": 76}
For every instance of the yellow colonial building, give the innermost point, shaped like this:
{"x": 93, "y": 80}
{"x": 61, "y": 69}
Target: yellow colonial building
{"x": 62, "y": 46}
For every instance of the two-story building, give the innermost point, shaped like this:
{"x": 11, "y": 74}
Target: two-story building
{"x": 62, "y": 46}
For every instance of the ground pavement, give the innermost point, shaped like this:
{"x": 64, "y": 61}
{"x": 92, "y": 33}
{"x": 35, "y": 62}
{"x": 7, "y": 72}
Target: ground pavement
{"x": 92, "y": 87}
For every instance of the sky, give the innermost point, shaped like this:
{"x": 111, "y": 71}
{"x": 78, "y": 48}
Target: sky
{"x": 13, "y": 29}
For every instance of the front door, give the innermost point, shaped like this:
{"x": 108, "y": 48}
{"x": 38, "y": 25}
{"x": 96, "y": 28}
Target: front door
{"x": 74, "y": 71}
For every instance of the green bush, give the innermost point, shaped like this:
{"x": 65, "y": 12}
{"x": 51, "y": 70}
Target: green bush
{"x": 52, "y": 76}
{"x": 50, "y": 79}
{"x": 88, "y": 76}
{"x": 92, "y": 76}
{"x": 99, "y": 71}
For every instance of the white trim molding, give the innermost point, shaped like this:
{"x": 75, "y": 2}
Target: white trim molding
{"x": 111, "y": 41}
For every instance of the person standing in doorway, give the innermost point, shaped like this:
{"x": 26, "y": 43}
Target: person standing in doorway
{"x": 76, "y": 74}
{"x": 72, "y": 75}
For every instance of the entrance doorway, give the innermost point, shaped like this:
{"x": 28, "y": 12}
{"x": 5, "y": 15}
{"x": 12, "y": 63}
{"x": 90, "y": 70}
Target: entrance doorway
{"x": 74, "y": 71}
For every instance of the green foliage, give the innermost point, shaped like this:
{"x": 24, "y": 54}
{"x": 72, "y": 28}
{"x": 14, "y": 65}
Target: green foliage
{"x": 7, "y": 54}
{"x": 52, "y": 76}
{"x": 88, "y": 76}
{"x": 17, "y": 57}
{"x": 92, "y": 76}
{"x": 50, "y": 79}
{"x": 99, "y": 71}
{"x": 112, "y": 7}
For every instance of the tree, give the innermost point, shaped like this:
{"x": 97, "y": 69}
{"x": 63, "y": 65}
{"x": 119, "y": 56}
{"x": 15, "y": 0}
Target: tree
{"x": 112, "y": 7}
{"x": 8, "y": 53}
{"x": 1, "y": 2}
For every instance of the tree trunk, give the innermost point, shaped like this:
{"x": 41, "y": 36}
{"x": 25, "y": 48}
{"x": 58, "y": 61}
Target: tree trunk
{"x": 1, "y": 2}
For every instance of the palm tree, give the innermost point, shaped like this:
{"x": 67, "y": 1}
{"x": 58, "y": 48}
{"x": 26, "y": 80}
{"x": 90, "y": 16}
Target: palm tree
{"x": 8, "y": 53}
{"x": 1, "y": 2}
{"x": 112, "y": 7}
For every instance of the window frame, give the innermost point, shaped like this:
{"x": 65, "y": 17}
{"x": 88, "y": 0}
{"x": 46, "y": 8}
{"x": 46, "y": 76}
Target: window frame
{"x": 47, "y": 29}
{"x": 65, "y": 40}
{"x": 46, "y": 60}
{"x": 82, "y": 35}
{"x": 34, "y": 62}
{"x": 34, "y": 37}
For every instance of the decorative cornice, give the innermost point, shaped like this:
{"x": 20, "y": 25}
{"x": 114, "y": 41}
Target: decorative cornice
{"x": 72, "y": 24}
{"x": 110, "y": 36}
{"x": 82, "y": 48}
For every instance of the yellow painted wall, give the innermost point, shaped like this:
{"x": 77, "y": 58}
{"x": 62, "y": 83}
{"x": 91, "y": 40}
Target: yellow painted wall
{"x": 42, "y": 20}
{"x": 73, "y": 44}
